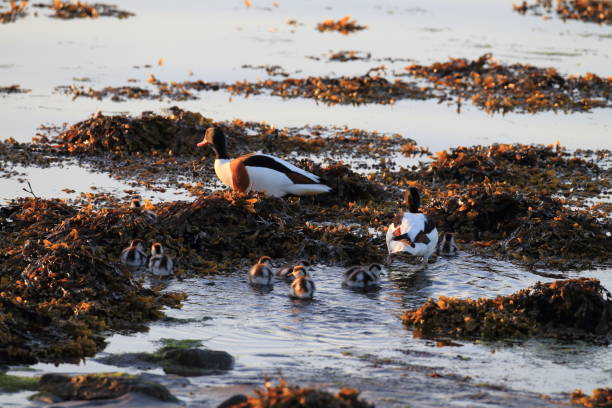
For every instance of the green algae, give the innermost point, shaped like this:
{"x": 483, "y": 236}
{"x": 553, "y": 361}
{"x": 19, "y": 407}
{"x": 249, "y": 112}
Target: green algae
{"x": 16, "y": 383}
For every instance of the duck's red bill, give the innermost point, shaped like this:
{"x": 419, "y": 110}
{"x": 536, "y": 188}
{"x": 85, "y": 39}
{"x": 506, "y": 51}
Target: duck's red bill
{"x": 203, "y": 143}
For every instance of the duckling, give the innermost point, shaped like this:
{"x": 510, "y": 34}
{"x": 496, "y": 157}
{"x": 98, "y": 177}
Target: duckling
{"x": 359, "y": 277}
{"x": 134, "y": 256}
{"x": 447, "y": 245}
{"x": 412, "y": 231}
{"x": 302, "y": 287}
{"x": 160, "y": 264}
{"x": 261, "y": 272}
{"x": 286, "y": 271}
{"x": 136, "y": 204}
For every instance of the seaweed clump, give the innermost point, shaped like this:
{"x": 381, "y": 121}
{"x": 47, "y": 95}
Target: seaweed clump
{"x": 601, "y": 398}
{"x": 68, "y": 10}
{"x": 13, "y": 89}
{"x": 57, "y": 268}
{"x": 284, "y": 395}
{"x": 14, "y": 12}
{"x": 595, "y": 11}
{"x": 525, "y": 88}
{"x": 344, "y": 26}
{"x": 566, "y": 309}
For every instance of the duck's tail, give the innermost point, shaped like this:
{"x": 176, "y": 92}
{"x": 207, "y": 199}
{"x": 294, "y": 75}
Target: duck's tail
{"x": 308, "y": 189}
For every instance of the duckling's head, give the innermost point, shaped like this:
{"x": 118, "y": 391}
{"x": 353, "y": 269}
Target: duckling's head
{"x": 376, "y": 270}
{"x": 157, "y": 249}
{"x": 135, "y": 203}
{"x": 136, "y": 243}
{"x": 299, "y": 271}
{"x": 412, "y": 199}
{"x": 266, "y": 260}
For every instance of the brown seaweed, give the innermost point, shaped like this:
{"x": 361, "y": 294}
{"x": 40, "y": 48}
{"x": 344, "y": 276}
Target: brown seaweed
{"x": 524, "y": 88}
{"x": 566, "y": 309}
{"x": 595, "y": 11}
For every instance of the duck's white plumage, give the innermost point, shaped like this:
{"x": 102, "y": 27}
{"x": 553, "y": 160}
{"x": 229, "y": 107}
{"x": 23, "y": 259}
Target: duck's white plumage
{"x": 412, "y": 231}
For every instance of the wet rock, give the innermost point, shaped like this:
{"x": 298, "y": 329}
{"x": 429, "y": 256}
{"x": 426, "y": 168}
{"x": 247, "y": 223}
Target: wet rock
{"x": 13, "y": 89}
{"x": 101, "y": 386}
{"x": 193, "y": 361}
{"x": 233, "y": 401}
{"x": 566, "y": 309}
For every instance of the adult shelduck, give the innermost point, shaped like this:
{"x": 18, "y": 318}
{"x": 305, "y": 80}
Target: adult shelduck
{"x": 447, "y": 245}
{"x": 261, "y": 272}
{"x": 303, "y": 286}
{"x": 260, "y": 172}
{"x": 362, "y": 278}
{"x": 160, "y": 264}
{"x": 412, "y": 231}
{"x": 134, "y": 256}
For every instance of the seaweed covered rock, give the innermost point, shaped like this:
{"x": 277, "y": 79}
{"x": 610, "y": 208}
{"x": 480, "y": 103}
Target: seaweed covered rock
{"x": 595, "y": 11}
{"x": 346, "y": 185}
{"x": 195, "y": 361}
{"x": 569, "y": 309}
{"x": 284, "y": 395}
{"x": 59, "y": 289}
{"x": 503, "y": 88}
{"x": 601, "y": 398}
{"x": 176, "y": 133}
{"x": 100, "y": 386}
{"x": 260, "y": 225}
{"x": 571, "y": 239}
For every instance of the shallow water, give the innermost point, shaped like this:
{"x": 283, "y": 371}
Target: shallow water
{"x": 358, "y": 338}
{"x": 341, "y": 337}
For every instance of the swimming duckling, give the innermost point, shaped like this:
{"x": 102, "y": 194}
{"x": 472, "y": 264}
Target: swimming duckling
{"x": 134, "y": 256}
{"x": 359, "y": 277}
{"x": 412, "y": 231}
{"x": 160, "y": 264}
{"x": 300, "y": 271}
{"x": 261, "y": 272}
{"x": 136, "y": 204}
{"x": 447, "y": 245}
{"x": 302, "y": 287}
{"x": 286, "y": 271}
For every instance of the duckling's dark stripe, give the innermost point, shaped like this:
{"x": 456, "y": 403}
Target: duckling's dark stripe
{"x": 257, "y": 160}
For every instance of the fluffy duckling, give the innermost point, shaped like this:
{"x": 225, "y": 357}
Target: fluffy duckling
{"x": 260, "y": 172}
{"x": 136, "y": 204}
{"x": 134, "y": 256}
{"x": 359, "y": 277}
{"x": 286, "y": 271}
{"x": 302, "y": 287}
{"x": 160, "y": 264}
{"x": 447, "y": 245}
{"x": 261, "y": 272}
{"x": 412, "y": 231}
